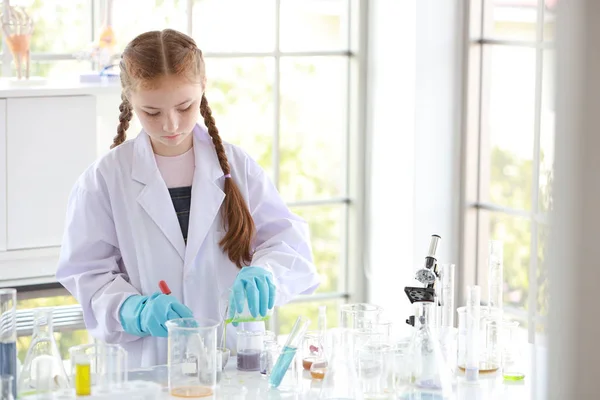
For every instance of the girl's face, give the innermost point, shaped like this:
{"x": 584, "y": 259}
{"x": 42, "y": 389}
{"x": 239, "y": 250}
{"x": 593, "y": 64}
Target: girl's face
{"x": 168, "y": 113}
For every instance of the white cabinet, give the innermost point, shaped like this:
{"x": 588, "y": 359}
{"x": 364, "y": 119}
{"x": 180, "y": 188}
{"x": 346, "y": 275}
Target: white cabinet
{"x": 50, "y": 141}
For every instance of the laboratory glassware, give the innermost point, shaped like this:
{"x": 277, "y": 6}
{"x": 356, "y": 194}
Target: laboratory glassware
{"x": 446, "y": 295}
{"x": 376, "y": 369}
{"x": 341, "y": 378}
{"x": 238, "y": 317}
{"x": 488, "y": 360}
{"x": 359, "y": 315}
{"x": 268, "y": 356}
{"x": 6, "y": 387}
{"x": 98, "y": 367}
{"x": 430, "y": 374}
{"x": 8, "y": 336}
{"x": 473, "y": 320}
{"x": 249, "y": 347}
{"x": 222, "y": 359}
{"x": 192, "y": 359}
{"x": 312, "y": 348}
{"x": 495, "y": 274}
{"x": 513, "y": 368}
{"x": 288, "y": 352}
{"x": 43, "y": 363}
{"x": 402, "y": 365}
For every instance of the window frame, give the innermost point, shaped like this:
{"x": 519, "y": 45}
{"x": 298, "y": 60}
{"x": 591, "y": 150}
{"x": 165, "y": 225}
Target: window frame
{"x": 474, "y": 255}
{"x": 351, "y": 286}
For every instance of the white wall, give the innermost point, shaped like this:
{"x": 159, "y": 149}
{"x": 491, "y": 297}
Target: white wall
{"x": 574, "y": 326}
{"x": 413, "y": 118}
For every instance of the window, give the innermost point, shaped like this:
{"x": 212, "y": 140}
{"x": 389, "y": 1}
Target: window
{"x": 509, "y": 150}
{"x": 61, "y": 30}
{"x": 281, "y": 85}
{"x": 282, "y": 92}
{"x": 67, "y": 323}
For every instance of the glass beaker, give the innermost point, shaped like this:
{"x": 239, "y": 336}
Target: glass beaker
{"x": 513, "y": 368}
{"x": 98, "y": 365}
{"x": 488, "y": 362}
{"x": 429, "y": 371}
{"x": 268, "y": 356}
{"x": 341, "y": 380}
{"x": 7, "y": 387}
{"x": 192, "y": 360}
{"x": 359, "y": 315}
{"x": 402, "y": 363}
{"x": 43, "y": 369}
{"x": 8, "y": 335}
{"x": 244, "y": 316}
{"x": 375, "y": 369}
{"x": 249, "y": 347}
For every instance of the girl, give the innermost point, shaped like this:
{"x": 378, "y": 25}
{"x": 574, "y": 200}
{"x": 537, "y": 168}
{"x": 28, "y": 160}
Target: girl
{"x": 175, "y": 204}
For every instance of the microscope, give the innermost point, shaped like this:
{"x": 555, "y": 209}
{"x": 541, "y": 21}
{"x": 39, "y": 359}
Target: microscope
{"x": 427, "y": 275}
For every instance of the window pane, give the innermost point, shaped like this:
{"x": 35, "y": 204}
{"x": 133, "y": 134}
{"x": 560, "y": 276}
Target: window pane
{"x": 549, "y": 20}
{"x": 503, "y": 19}
{"x": 240, "y": 94}
{"x": 314, "y": 25}
{"x": 547, "y": 132}
{"x": 327, "y": 225}
{"x": 63, "y": 69}
{"x": 509, "y": 123}
{"x": 543, "y": 291}
{"x": 515, "y": 232}
{"x": 234, "y": 25}
{"x": 313, "y": 127}
{"x": 288, "y": 314}
{"x": 64, "y": 340}
{"x": 60, "y": 26}
{"x": 131, "y": 18}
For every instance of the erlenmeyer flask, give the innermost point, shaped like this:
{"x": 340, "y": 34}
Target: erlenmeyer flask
{"x": 341, "y": 380}
{"x": 43, "y": 369}
{"x": 430, "y": 377}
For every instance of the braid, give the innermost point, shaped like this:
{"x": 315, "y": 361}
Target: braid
{"x": 209, "y": 121}
{"x": 124, "y": 119}
{"x": 236, "y": 215}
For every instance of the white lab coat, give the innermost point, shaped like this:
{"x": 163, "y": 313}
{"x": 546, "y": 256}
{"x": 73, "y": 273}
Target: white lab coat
{"x": 122, "y": 237}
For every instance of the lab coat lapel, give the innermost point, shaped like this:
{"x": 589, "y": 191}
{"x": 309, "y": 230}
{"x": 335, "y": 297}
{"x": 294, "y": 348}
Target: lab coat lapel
{"x": 154, "y": 197}
{"x": 207, "y": 194}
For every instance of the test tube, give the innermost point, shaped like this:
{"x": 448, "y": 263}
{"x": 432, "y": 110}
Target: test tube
{"x": 447, "y": 294}
{"x": 472, "y": 343}
{"x": 8, "y": 336}
{"x": 289, "y": 351}
{"x": 495, "y": 274}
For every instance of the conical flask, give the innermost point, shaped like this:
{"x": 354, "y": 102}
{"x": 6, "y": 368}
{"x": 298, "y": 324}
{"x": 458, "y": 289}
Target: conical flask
{"x": 431, "y": 377}
{"x": 341, "y": 380}
{"x": 43, "y": 370}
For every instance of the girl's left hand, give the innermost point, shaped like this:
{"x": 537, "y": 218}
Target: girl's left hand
{"x": 254, "y": 285}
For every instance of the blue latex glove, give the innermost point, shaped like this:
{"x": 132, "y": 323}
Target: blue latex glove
{"x": 254, "y": 285}
{"x": 147, "y": 315}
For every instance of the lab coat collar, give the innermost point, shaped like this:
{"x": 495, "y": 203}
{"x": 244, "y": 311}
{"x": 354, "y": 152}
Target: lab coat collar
{"x": 207, "y": 195}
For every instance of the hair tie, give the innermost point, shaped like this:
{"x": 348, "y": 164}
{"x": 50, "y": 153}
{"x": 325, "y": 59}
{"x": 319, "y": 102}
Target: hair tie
{"x": 227, "y": 176}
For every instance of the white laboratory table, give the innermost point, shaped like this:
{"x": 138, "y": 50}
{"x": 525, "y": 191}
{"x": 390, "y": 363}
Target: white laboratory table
{"x": 237, "y": 385}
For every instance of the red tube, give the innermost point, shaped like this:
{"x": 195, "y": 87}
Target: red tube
{"x": 164, "y": 288}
